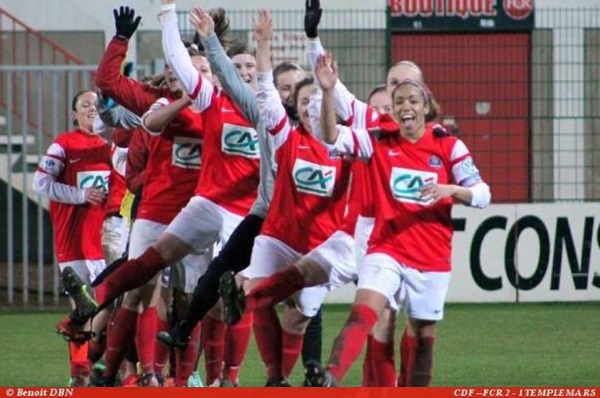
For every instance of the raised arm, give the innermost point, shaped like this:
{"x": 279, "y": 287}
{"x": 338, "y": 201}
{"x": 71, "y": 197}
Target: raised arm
{"x": 269, "y": 103}
{"x": 199, "y": 89}
{"x": 221, "y": 65}
{"x": 162, "y": 112}
{"x": 352, "y": 111}
{"x": 115, "y": 115}
{"x": 341, "y": 140}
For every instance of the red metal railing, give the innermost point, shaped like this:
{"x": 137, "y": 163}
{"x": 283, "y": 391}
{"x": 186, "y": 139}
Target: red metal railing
{"x": 13, "y": 29}
{"x": 22, "y": 45}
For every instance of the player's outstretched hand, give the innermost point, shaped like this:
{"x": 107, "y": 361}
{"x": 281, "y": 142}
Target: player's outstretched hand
{"x": 312, "y": 17}
{"x": 126, "y": 22}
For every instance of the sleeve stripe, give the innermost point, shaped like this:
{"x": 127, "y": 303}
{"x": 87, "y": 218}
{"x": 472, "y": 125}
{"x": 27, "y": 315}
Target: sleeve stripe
{"x": 277, "y": 129}
{"x": 460, "y": 159}
{"x": 60, "y": 159}
{"x": 356, "y": 144}
{"x": 348, "y": 122}
{"x": 194, "y": 94}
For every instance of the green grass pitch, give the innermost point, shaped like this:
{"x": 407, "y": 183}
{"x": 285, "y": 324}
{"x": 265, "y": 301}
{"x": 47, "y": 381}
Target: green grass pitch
{"x": 477, "y": 345}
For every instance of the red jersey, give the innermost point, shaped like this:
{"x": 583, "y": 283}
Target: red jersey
{"x": 231, "y": 155}
{"x": 406, "y": 227}
{"x": 137, "y": 158}
{"x": 173, "y": 166}
{"x": 74, "y": 162}
{"x": 310, "y": 190}
{"x": 360, "y": 198}
{"x": 132, "y": 94}
{"x": 116, "y": 181}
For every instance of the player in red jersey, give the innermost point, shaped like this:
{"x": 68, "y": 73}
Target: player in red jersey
{"x": 414, "y": 171}
{"x": 225, "y": 190}
{"x": 308, "y": 204}
{"x": 74, "y": 174}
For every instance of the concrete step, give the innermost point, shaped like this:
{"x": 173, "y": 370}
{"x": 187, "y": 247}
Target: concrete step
{"x": 22, "y": 182}
{"x": 31, "y": 162}
{"x": 18, "y": 142}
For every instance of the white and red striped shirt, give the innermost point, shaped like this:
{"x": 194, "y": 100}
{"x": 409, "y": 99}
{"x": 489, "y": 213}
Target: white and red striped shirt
{"x": 406, "y": 227}
{"x": 173, "y": 166}
{"x": 74, "y": 162}
{"x": 310, "y": 191}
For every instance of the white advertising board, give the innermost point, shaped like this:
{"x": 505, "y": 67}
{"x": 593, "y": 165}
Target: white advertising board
{"x": 522, "y": 253}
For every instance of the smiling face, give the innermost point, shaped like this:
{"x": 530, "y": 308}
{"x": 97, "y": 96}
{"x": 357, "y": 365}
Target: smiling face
{"x": 84, "y": 111}
{"x": 286, "y": 81}
{"x": 202, "y": 65}
{"x": 173, "y": 83}
{"x": 302, "y": 105}
{"x": 246, "y": 68}
{"x": 410, "y": 108}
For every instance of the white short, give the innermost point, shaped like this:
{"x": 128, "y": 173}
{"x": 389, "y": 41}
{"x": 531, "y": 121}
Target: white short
{"x": 201, "y": 223}
{"x": 362, "y": 233}
{"x": 336, "y": 258}
{"x": 422, "y": 294}
{"x": 87, "y": 270}
{"x": 114, "y": 234}
{"x": 183, "y": 274}
{"x": 269, "y": 256}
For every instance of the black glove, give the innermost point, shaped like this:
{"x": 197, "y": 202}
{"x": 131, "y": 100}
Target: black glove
{"x": 312, "y": 17}
{"x": 125, "y": 21}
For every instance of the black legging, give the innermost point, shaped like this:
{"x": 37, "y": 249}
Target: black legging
{"x": 234, "y": 256}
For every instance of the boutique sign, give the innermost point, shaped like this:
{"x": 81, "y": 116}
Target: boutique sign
{"x": 462, "y": 15}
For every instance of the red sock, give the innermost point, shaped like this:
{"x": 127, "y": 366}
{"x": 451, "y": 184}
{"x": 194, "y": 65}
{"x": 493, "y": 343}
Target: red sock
{"x": 78, "y": 353}
{"x": 275, "y": 289}
{"x": 161, "y": 351}
{"x": 214, "y": 347}
{"x": 267, "y": 332}
{"x": 186, "y": 359}
{"x": 100, "y": 293}
{"x": 408, "y": 352}
{"x": 423, "y": 369}
{"x": 96, "y": 349}
{"x": 384, "y": 367}
{"x": 118, "y": 338}
{"x": 145, "y": 339}
{"x": 134, "y": 273}
{"x": 292, "y": 347}
{"x": 349, "y": 343}
{"x": 368, "y": 375}
{"x": 236, "y": 345}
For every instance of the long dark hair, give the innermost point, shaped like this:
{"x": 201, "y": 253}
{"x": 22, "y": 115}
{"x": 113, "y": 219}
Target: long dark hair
{"x": 74, "y": 103}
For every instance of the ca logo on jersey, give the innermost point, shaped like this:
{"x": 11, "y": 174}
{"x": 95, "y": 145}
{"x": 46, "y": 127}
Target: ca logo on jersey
{"x": 93, "y": 179}
{"x": 239, "y": 140}
{"x": 187, "y": 152}
{"x": 314, "y": 178}
{"x": 406, "y": 184}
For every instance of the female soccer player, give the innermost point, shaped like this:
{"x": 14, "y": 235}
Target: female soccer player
{"x": 415, "y": 171}
{"x": 74, "y": 174}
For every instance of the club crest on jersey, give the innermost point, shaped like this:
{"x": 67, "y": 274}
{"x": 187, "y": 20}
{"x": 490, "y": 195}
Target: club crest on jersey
{"x": 93, "y": 179}
{"x": 406, "y": 184}
{"x": 239, "y": 140}
{"x": 187, "y": 152}
{"x": 468, "y": 167}
{"x": 314, "y": 178}
{"x": 435, "y": 162}
{"x": 50, "y": 165}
